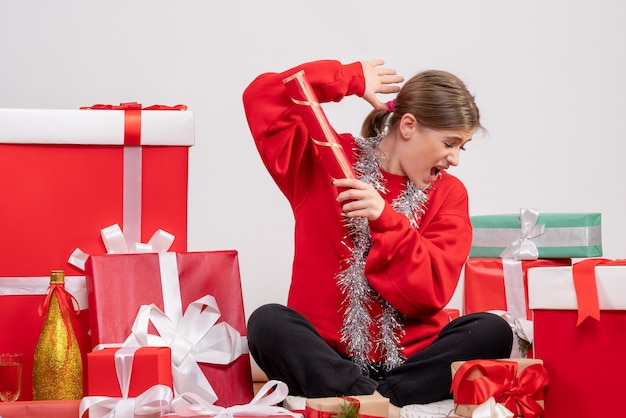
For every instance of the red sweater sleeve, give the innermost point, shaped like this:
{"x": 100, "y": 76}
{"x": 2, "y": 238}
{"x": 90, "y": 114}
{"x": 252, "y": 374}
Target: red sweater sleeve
{"x": 280, "y": 135}
{"x": 417, "y": 270}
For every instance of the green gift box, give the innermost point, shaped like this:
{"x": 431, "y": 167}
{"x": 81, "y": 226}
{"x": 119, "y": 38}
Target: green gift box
{"x": 531, "y": 235}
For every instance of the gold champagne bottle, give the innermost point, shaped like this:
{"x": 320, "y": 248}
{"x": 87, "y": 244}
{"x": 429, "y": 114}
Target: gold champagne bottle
{"x": 57, "y": 367}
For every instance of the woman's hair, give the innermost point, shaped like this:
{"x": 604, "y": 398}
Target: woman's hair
{"x": 437, "y": 99}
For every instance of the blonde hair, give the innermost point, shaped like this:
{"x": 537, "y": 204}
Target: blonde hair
{"x": 437, "y": 99}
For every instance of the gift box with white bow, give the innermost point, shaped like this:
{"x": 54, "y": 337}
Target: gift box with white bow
{"x": 531, "y": 235}
{"x": 129, "y": 382}
{"x": 69, "y": 172}
{"x": 190, "y": 302}
{"x": 579, "y": 315}
{"x": 138, "y": 368}
{"x": 501, "y": 286}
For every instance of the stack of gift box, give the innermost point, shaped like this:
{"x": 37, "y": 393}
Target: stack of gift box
{"x": 101, "y": 193}
{"x": 528, "y": 267}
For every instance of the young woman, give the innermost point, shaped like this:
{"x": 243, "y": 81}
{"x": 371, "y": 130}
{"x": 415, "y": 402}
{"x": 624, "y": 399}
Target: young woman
{"x": 376, "y": 258}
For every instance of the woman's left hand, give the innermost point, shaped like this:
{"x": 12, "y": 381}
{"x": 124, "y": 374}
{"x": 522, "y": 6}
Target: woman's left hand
{"x": 379, "y": 79}
{"x": 359, "y": 199}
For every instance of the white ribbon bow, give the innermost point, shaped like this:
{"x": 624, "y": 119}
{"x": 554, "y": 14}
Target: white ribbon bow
{"x": 157, "y": 399}
{"x": 194, "y": 338}
{"x": 523, "y": 248}
{"x": 116, "y": 243}
{"x": 189, "y": 404}
{"x": 491, "y": 409}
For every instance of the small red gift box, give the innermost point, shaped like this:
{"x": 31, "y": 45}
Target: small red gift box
{"x": 123, "y": 288}
{"x": 366, "y": 405}
{"x": 146, "y": 367}
{"x": 517, "y": 384}
{"x": 501, "y": 284}
{"x": 584, "y": 360}
{"x": 68, "y": 173}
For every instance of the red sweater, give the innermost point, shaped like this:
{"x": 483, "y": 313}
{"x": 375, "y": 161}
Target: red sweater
{"x": 416, "y": 270}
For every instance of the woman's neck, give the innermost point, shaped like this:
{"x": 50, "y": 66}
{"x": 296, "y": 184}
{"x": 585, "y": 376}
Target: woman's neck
{"x": 386, "y": 153}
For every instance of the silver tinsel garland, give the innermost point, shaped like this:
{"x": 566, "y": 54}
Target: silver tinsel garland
{"x": 359, "y": 296}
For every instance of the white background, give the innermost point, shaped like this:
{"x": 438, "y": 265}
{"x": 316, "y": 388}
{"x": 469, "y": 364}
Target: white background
{"x": 549, "y": 77}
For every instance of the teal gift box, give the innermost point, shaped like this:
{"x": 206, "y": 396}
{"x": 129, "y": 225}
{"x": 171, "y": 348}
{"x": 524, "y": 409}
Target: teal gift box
{"x": 531, "y": 235}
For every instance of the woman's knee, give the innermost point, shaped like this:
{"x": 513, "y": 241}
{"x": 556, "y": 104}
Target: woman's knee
{"x": 263, "y": 320}
{"x": 498, "y": 332}
{"x": 491, "y": 334}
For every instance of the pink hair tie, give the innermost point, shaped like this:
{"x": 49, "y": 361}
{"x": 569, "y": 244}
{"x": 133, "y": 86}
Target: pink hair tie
{"x": 391, "y": 104}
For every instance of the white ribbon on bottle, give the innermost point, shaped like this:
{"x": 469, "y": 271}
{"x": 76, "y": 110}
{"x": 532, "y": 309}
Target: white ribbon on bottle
{"x": 523, "y": 248}
{"x": 116, "y": 243}
{"x": 157, "y": 399}
{"x": 194, "y": 337}
{"x": 491, "y": 409}
{"x": 263, "y": 404}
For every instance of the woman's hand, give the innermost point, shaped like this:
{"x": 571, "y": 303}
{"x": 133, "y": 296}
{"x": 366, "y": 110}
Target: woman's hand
{"x": 359, "y": 199}
{"x": 379, "y": 80}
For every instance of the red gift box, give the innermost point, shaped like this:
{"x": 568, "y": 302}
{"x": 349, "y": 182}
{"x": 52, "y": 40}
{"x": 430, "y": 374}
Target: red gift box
{"x": 583, "y": 361}
{"x": 150, "y": 366}
{"x": 118, "y": 285}
{"x": 517, "y": 384}
{"x": 501, "y": 284}
{"x": 20, "y": 299}
{"x": 366, "y": 406}
{"x": 68, "y": 173}
{"x": 38, "y": 409}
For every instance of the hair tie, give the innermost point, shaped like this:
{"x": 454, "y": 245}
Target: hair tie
{"x": 391, "y": 104}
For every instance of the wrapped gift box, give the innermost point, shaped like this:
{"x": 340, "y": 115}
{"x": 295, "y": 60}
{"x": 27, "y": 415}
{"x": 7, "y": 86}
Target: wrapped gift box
{"x": 565, "y": 235}
{"x": 150, "y": 366}
{"x": 584, "y": 361}
{"x": 370, "y": 405}
{"x": 20, "y": 299}
{"x": 118, "y": 285}
{"x": 66, "y": 174}
{"x": 501, "y": 284}
{"x": 517, "y": 384}
{"x": 38, "y": 409}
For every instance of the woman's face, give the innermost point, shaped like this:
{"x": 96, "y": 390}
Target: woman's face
{"x": 427, "y": 152}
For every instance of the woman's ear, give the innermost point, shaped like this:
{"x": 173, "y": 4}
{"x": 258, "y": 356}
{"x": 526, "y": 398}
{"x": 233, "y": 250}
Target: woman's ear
{"x": 407, "y": 125}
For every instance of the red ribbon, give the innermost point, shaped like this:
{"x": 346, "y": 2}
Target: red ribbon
{"x": 66, "y": 305}
{"x": 314, "y": 413}
{"x": 498, "y": 379}
{"x": 586, "y": 287}
{"x": 132, "y": 117}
